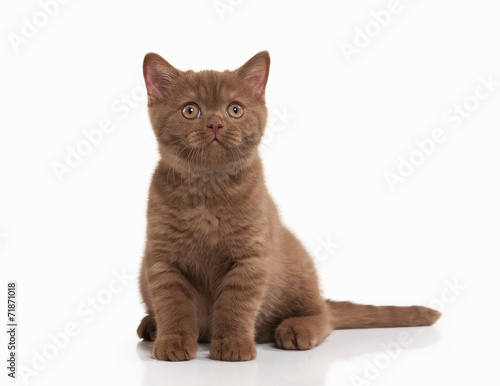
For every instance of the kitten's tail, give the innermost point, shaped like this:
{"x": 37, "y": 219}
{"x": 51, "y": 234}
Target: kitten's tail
{"x": 346, "y": 315}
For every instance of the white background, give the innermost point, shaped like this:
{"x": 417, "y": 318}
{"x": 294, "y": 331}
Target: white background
{"x": 432, "y": 241}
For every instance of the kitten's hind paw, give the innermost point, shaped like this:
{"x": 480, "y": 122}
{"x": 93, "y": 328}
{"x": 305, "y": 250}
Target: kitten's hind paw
{"x": 147, "y": 328}
{"x": 302, "y": 333}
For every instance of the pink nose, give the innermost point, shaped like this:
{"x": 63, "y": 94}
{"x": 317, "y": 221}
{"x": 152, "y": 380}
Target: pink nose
{"x": 215, "y": 127}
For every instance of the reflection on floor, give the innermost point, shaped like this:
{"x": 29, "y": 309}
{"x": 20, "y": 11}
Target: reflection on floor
{"x": 274, "y": 366}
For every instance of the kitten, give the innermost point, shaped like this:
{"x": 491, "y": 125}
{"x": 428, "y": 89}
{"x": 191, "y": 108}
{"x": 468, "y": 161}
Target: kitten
{"x": 219, "y": 266}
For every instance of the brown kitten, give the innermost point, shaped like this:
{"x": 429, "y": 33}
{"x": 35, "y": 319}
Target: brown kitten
{"x": 219, "y": 266}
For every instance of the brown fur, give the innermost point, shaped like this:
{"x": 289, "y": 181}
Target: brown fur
{"x": 219, "y": 266}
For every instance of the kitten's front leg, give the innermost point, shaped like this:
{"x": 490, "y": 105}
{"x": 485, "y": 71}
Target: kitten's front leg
{"x": 172, "y": 299}
{"x": 235, "y": 311}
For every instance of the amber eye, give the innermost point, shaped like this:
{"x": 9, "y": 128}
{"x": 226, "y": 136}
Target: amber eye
{"x": 191, "y": 111}
{"x": 234, "y": 110}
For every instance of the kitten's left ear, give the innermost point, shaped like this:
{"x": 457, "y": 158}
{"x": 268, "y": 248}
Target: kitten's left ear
{"x": 256, "y": 71}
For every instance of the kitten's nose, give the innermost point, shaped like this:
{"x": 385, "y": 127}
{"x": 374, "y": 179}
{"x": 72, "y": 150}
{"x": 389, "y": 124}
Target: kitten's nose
{"x": 215, "y": 127}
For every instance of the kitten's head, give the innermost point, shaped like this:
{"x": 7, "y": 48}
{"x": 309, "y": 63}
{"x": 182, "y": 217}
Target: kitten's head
{"x": 207, "y": 120}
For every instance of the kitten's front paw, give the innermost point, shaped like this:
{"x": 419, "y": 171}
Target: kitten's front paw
{"x": 174, "y": 347}
{"x": 233, "y": 349}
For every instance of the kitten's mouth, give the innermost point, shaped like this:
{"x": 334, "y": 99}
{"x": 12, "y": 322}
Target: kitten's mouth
{"x": 215, "y": 142}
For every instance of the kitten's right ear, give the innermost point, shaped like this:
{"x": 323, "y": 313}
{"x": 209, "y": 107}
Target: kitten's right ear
{"x": 158, "y": 75}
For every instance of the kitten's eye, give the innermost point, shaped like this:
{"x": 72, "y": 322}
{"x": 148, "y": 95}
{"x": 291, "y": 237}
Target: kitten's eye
{"x": 235, "y": 110}
{"x": 191, "y": 111}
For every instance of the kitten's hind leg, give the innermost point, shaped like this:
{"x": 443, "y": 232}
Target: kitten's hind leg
{"x": 147, "y": 328}
{"x": 302, "y": 332}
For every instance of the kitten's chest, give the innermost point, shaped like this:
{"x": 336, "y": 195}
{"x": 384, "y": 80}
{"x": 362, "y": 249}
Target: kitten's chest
{"x": 212, "y": 210}
{"x": 210, "y": 214}
{"x": 208, "y": 223}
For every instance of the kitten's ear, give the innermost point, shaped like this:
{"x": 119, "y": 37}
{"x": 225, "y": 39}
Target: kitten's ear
{"x": 158, "y": 75}
{"x": 256, "y": 71}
